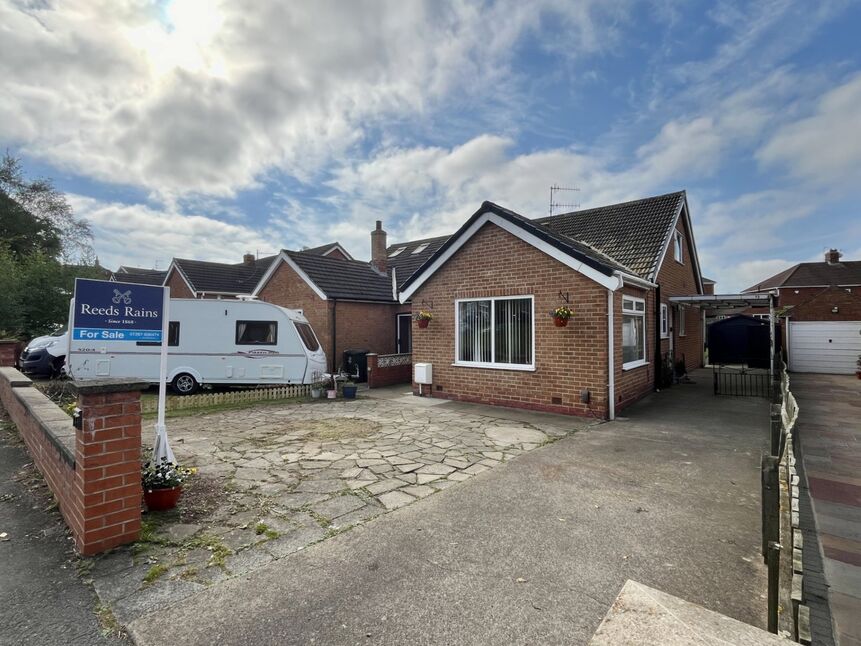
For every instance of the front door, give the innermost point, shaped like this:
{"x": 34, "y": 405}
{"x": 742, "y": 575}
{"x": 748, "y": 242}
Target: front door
{"x": 404, "y": 339}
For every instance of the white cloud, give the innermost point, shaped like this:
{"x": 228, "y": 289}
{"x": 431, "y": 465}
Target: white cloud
{"x": 824, "y": 148}
{"x": 209, "y": 96}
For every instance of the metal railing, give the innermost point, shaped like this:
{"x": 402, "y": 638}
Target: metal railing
{"x": 742, "y": 382}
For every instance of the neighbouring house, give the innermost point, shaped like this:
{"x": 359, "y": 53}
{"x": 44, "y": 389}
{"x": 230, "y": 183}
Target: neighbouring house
{"x": 821, "y": 305}
{"x": 138, "y": 275}
{"x": 492, "y": 286}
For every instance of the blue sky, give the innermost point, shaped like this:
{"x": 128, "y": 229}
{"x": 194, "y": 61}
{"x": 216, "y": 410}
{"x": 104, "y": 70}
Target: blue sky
{"x": 201, "y": 129}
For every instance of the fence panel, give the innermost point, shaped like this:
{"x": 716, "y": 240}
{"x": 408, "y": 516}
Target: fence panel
{"x": 209, "y": 400}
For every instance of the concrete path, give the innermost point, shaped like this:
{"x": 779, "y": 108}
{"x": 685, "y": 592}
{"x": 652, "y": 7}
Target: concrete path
{"x": 533, "y": 551}
{"x": 42, "y": 600}
{"x": 829, "y": 427}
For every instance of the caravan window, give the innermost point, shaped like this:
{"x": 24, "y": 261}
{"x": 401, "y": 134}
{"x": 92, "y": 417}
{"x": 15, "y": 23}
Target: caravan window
{"x": 256, "y": 332}
{"x": 172, "y": 336}
{"x": 308, "y": 337}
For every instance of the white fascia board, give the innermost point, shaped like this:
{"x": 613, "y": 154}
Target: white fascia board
{"x": 613, "y": 282}
{"x": 683, "y": 208}
{"x": 339, "y": 248}
{"x": 628, "y": 279}
{"x": 290, "y": 263}
{"x": 175, "y": 267}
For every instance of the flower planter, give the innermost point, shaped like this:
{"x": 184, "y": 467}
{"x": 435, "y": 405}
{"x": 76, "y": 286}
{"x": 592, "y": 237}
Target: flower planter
{"x": 558, "y": 321}
{"x": 423, "y": 323}
{"x": 316, "y": 393}
{"x": 162, "y": 499}
{"x": 350, "y": 392}
{"x": 331, "y": 394}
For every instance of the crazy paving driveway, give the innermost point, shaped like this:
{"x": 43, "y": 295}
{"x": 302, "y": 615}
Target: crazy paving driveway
{"x": 274, "y": 479}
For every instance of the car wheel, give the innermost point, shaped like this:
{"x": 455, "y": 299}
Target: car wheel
{"x": 57, "y": 367}
{"x": 184, "y": 384}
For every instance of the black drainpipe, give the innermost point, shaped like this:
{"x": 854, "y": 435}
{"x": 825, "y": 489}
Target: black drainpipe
{"x": 657, "y": 365}
{"x": 334, "y": 332}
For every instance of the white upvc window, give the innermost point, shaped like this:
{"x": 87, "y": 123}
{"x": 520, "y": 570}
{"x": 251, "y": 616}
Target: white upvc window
{"x": 495, "y": 332}
{"x": 633, "y": 332}
{"x": 678, "y": 246}
{"x": 680, "y": 316}
{"x": 665, "y": 321}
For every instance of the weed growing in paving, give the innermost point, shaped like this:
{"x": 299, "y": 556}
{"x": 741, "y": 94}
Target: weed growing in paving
{"x": 265, "y": 530}
{"x": 156, "y": 571}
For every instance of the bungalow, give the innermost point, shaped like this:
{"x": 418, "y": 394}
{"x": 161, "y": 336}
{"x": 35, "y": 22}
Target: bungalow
{"x": 492, "y": 286}
{"x": 821, "y": 302}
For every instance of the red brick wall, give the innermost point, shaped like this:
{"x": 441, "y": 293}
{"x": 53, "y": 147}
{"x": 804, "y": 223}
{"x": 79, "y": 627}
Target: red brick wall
{"x": 370, "y": 326}
{"x": 178, "y": 286}
{"x": 390, "y": 375}
{"x": 99, "y": 487}
{"x": 567, "y": 360}
{"x": 679, "y": 279}
{"x": 8, "y": 352}
{"x": 818, "y": 307}
{"x": 336, "y": 253}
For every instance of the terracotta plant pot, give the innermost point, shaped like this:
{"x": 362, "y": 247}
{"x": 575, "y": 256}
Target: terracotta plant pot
{"x": 423, "y": 323}
{"x": 558, "y": 321}
{"x": 162, "y": 499}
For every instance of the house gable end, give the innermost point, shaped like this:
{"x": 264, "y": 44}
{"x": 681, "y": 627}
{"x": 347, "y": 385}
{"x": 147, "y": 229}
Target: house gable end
{"x": 685, "y": 278}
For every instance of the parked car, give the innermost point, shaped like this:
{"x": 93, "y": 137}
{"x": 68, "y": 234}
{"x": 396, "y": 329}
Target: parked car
{"x": 45, "y": 356}
{"x": 211, "y": 342}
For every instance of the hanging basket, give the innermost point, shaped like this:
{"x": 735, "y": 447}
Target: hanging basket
{"x": 558, "y": 321}
{"x": 423, "y": 323}
{"x": 162, "y": 499}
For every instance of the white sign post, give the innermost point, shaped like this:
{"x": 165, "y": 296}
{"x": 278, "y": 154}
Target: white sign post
{"x": 161, "y": 448}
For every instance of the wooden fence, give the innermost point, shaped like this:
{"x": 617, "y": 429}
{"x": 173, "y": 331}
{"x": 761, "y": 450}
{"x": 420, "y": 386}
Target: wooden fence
{"x": 208, "y": 400}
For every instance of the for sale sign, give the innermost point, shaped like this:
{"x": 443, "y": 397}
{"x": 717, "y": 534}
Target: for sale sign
{"x": 108, "y": 311}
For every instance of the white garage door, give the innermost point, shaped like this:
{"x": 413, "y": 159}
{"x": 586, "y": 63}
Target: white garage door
{"x": 831, "y": 347}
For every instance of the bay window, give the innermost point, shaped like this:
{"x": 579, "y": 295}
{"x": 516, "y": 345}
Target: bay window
{"x": 633, "y": 332}
{"x": 495, "y": 332}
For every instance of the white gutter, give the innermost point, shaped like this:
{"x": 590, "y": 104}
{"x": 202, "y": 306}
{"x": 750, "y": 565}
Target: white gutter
{"x": 611, "y": 364}
{"x": 634, "y": 280}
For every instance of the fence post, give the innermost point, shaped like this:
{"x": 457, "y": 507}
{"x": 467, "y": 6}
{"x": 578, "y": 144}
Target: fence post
{"x": 715, "y": 374}
{"x": 770, "y": 502}
{"x": 776, "y": 428}
{"x": 773, "y": 562}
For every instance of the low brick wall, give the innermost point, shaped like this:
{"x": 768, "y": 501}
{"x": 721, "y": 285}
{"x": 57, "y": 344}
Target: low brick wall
{"x": 94, "y": 473}
{"x": 9, "y": 350}
{"x": 389, "y": 369}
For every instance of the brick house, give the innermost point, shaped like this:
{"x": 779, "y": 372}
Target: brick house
{"x": 492, "y": 285}
{"x": 126, "y": 274}
{"x": 820, "y": 303}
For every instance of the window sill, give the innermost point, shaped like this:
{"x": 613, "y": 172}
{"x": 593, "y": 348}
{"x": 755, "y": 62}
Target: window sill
{"x": 633, "y": 365}
{"x": 664, "y": 337}
{"x": 494, "y": 366}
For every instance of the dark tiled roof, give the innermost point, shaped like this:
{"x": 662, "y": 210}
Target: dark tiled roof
{"x": 323, "y": 248}
{"x": 344, "y": 279}
{"x": 139, "y": 276}
{"x": 240, "y": 278}
{"x": 631, "y": 233}
{"x": 813, "y": 274}
{"x": 407, "y": 262}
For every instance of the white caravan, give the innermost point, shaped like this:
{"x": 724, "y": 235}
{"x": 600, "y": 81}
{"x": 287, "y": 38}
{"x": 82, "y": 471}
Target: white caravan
{"x": 210, "y": 342}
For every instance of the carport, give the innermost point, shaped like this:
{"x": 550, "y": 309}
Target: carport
{"x": 730, "y": 303}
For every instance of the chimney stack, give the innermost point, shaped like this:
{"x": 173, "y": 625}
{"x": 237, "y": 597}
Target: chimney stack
{"x": 248, "y": 259}
{"x": 832, "y": 256}
{"x": 378, "y": 248}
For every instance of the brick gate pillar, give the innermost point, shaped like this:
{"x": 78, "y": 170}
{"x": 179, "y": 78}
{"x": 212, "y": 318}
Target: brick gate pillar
{"x": 8, "y": 352}
{"x": 108, "y": 464}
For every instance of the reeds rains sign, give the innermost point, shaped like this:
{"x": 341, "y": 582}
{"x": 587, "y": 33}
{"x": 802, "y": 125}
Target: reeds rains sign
{"x": 106, "y": 311}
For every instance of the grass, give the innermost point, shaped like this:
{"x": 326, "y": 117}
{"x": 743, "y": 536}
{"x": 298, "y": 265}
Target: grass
{"x": 156, "y": 571}
{"x": 265, "y": 530}
{"x": 219, "y": 550}
{"x": 109, "y": 624}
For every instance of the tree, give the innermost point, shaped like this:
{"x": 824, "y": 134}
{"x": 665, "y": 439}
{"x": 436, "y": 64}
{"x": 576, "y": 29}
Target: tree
{"x": 43, "y": 218}
{"x": 43, "y": 248}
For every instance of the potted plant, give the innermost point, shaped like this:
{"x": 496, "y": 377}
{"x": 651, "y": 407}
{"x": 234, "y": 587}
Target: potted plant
{"x": 561, "y": 315}
{"x": 423, "y": 318}
{"x": 318, "y": 384}
{"x": 162, "y": 484}
{"x": 331, "y": 388}
{"x": 349, "y": 390}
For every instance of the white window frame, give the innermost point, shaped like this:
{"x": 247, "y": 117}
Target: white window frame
{"x": 420, "y": 248}
{"x": 397, "y": 252}
{"x": 680, "y": 315}
{"x": 627, "y": 311}
{"x": 665, "y": 321}
{"x": 492, "y": 365}
{"x": 679, "y": 247}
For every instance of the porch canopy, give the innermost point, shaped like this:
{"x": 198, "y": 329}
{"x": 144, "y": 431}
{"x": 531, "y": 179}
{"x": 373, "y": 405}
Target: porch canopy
{"x": 720, "y": 302}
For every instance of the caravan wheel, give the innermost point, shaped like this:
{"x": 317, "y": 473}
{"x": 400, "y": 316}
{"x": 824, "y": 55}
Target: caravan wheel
{"x": 184, "y": 384}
